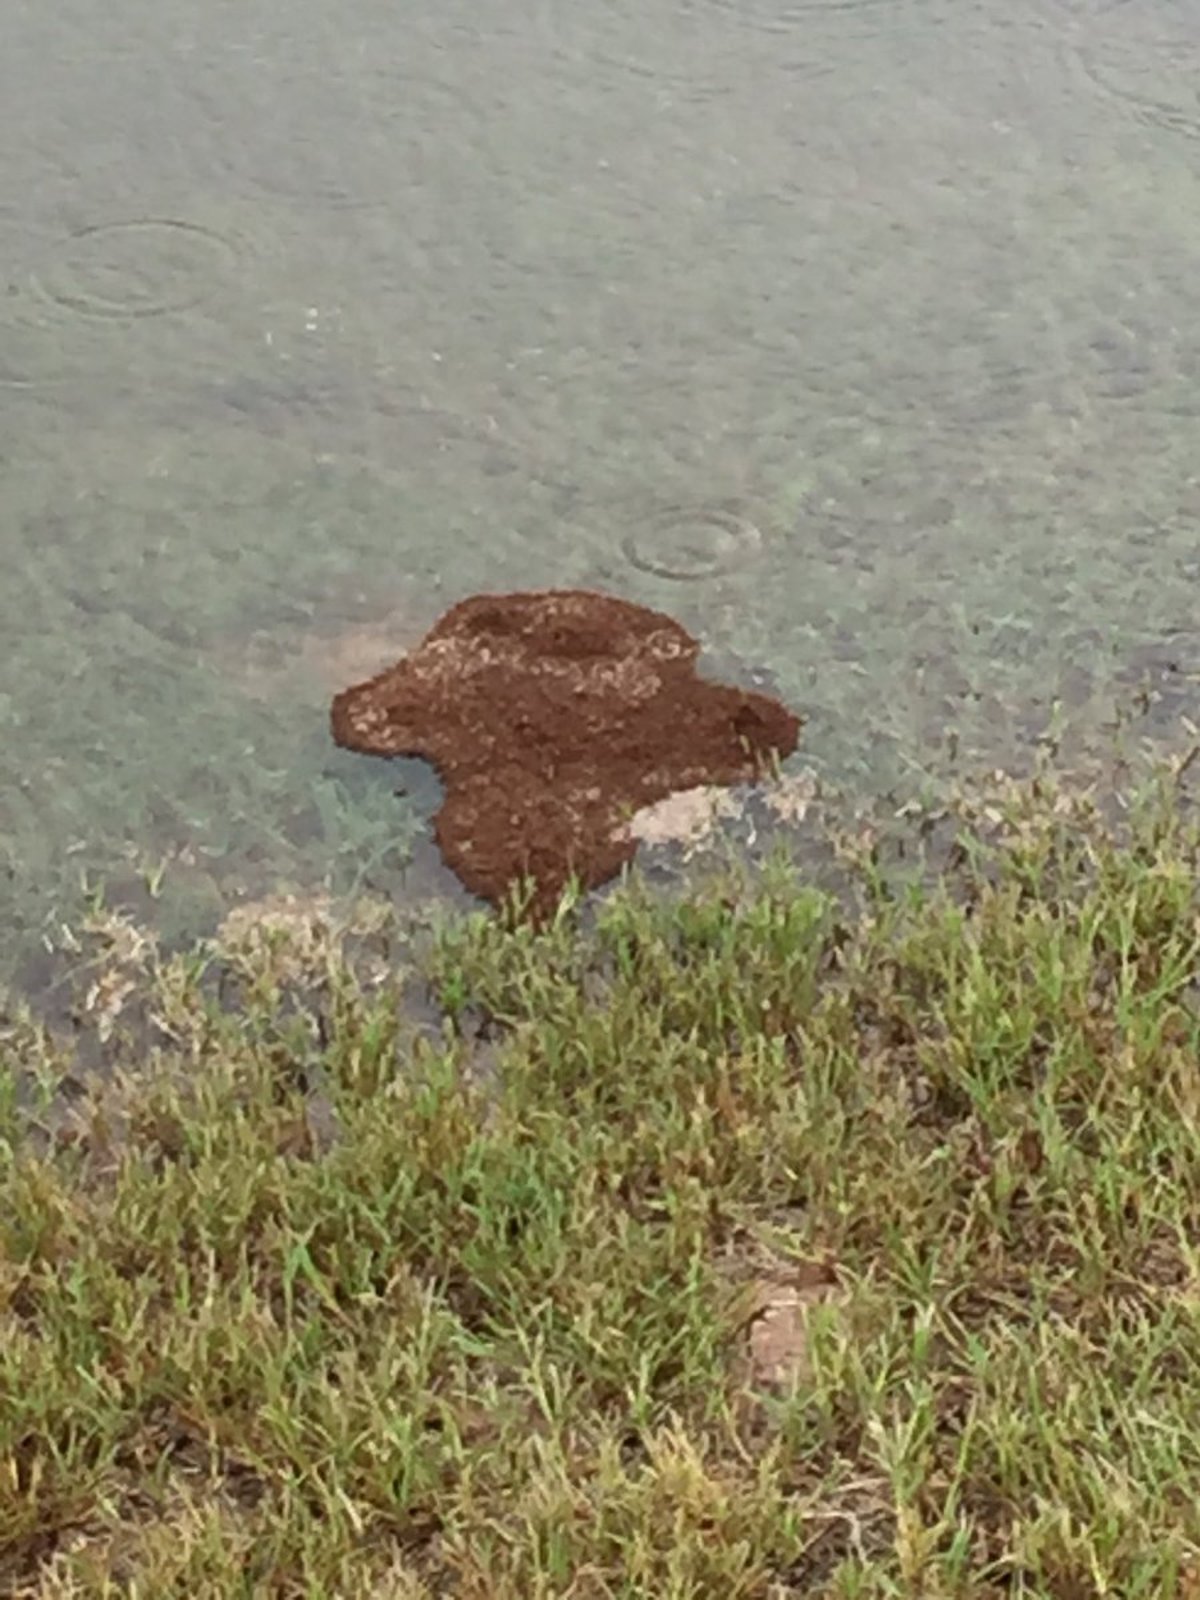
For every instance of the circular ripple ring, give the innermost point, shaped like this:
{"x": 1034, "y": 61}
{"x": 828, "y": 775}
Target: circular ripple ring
{"x": 143, "y": 267}
{"x": 688, "y": 545}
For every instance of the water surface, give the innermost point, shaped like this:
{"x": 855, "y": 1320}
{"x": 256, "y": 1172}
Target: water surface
{"x": 862, "y": 335}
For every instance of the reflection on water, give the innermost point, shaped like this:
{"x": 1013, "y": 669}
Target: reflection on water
{"x": 863, "y": 335}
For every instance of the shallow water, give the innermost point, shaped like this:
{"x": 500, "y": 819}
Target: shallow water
{"x": 862, "y": 335}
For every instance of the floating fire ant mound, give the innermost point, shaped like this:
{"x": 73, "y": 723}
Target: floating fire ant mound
{"x": 550, "y": 717}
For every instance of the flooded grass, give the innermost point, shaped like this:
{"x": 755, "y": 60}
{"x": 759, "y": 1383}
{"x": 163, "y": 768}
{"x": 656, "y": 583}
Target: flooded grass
{"x": 769, "y": 1241}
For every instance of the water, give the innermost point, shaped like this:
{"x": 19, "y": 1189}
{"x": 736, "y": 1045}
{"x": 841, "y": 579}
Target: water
{"x": 862, "y": 335}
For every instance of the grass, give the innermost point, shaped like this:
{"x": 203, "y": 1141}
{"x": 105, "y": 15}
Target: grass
{"x": 767, "y": 1243}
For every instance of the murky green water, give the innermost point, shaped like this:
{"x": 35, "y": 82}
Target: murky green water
{"x": 862, "y": 335}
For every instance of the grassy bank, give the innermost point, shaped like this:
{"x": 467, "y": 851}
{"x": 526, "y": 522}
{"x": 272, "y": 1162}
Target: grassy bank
{"x": 765, "y": 1244}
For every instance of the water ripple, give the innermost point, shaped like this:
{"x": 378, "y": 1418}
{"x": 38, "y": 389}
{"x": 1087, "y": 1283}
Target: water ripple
{"x": 143, "y": 267}
{"x": 875, "y": 16}
{"x": 1143, "y": 55}
{"x": 688, "y": 543}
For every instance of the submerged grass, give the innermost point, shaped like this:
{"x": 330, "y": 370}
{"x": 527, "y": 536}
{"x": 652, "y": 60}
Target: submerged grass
{"x": 765, "y": 1243}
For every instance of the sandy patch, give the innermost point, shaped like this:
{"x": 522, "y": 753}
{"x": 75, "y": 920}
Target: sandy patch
{"x": 688, "y": 818}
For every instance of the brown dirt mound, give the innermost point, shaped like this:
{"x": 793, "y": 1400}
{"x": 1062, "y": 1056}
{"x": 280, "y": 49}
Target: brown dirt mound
{"x": 550, "y": 718}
